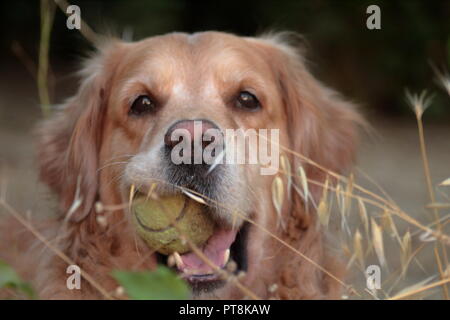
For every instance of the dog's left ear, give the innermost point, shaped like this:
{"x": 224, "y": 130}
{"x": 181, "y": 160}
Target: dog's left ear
{"x": 69, "y": 141}
{"x": 323, "y": 127}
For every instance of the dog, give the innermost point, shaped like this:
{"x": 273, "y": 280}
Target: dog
{"x": 111, "y": 136}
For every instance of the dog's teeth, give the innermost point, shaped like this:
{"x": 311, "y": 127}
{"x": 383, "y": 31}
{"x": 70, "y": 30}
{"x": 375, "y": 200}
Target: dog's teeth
{"x": 226, "y": 256}
{"x": 171, "y": 261}
{"x": 178, "y": 260}
{"x": 231, "y": 266}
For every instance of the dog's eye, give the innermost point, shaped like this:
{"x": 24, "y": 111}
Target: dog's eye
{"x": 247, "y": 101}
{"x": 142, "y": 105}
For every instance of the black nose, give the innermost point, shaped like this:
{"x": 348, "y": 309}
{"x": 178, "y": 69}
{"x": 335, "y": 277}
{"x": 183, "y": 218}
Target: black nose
{"x": 189, "y": 164}
{"x": 195, "y": 131}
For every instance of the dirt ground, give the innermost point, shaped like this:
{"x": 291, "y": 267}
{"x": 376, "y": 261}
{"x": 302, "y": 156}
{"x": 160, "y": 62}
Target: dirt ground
{"x": 391, "y": 157}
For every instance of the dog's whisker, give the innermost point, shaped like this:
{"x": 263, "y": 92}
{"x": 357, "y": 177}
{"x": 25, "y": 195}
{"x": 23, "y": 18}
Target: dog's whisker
{"x": 116, "y": 178}
{"x": 126, "y": 155}
{"x": 216, "y": 162}
{"x": 136, "y": 246}
{"x": 118, "y": 223}
{"x": 111, "y": 164}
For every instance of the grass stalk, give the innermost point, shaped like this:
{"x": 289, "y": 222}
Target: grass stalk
{"x": 420, "y": 105}
{"x": 47, "y": 15}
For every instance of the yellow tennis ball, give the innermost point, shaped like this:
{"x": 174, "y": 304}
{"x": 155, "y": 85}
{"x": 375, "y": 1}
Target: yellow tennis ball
{"x": 155, "y": 220}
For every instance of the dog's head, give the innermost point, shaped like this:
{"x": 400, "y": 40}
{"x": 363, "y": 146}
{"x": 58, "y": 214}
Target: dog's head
{"x": 138, "y": 100}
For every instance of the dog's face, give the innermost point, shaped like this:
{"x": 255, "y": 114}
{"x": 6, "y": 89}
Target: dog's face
{"x": 167, "y": 83}
{"x": 121, "y": 129}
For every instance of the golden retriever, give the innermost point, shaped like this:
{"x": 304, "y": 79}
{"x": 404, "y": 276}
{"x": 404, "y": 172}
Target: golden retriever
{"x": 111, "y": 136}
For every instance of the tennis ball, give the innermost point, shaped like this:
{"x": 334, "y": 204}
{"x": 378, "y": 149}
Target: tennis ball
{"x": 155, "y": 219}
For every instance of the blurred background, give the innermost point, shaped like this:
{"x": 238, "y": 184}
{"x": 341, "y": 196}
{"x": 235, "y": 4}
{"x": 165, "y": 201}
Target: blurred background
{"x": 371, "y": 67}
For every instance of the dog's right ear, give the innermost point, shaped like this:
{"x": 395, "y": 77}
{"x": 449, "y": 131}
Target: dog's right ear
{"x": 69, "y": 141}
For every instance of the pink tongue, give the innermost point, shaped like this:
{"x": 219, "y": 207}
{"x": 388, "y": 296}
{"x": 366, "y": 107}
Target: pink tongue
{"x": 214, "y": 250}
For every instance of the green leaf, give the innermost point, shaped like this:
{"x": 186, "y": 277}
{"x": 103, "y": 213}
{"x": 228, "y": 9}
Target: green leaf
{"x": 161, "y": 284}
{"x": 7, "y": 275}
{"x": 10, "y": 279}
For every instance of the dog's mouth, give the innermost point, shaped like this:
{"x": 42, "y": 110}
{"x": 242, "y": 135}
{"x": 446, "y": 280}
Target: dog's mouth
{"x": 225, "y": 250}
{"x": 206, "y": 267}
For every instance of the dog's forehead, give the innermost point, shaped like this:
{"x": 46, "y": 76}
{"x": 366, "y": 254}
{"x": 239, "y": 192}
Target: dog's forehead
{"x": 189, "y": 57}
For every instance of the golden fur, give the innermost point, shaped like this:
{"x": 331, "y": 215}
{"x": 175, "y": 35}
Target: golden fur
{"x": 79, "y": 143}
